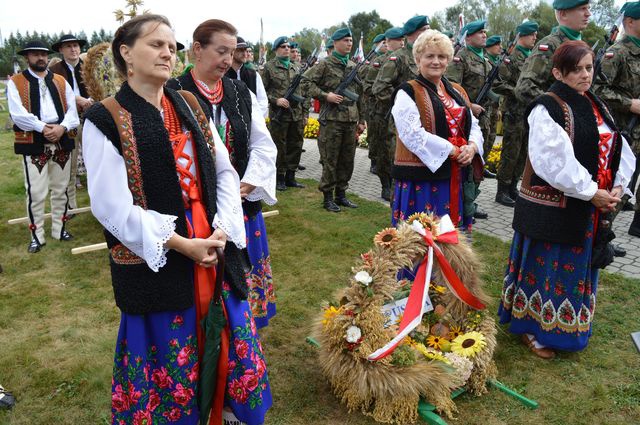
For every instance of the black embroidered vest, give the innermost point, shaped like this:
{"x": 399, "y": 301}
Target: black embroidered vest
{"x": 247, "y": 76}
{"x": 32, "y": 142}
{"x": 432, "y": 112}
{"x": 154, "y": 184}
{"x": 542, "y": 212}
{"x": 236, "y": 105}
{"x": 62, "y": 68}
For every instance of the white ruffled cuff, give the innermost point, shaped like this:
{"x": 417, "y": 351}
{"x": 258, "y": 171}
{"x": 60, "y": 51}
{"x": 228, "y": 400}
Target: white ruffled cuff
{"x": 235, "y": 234}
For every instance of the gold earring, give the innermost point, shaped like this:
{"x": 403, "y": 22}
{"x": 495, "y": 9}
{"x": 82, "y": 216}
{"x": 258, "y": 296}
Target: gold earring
{"x": 130, "y": 72}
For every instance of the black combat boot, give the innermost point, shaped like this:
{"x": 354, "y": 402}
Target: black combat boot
{"x": 290, "y": 180}
{"x": 513, "y": 190}
{"x": 329, "y": 204}
{"x": 373, "y": 169}
{"x": 341, "y": 199}
{"x": 502, "y": 196}
{"x": 386, "y": 188}
{"x": 634, "y": 229}
{"x": 280, "y": 185}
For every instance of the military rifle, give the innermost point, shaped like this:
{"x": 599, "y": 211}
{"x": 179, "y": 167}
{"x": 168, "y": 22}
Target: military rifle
{"x": 342, "y": 89}
{"x": 609, "y": 39}
{"x": 486, "y": 87}
{"x": 460, "y": 38}
{"x": 290, "y": 94}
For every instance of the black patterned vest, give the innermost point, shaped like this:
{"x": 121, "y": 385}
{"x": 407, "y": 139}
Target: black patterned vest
{"x": 543, "y": 212}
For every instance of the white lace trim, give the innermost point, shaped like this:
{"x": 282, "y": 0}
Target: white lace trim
{"x": 235, "y": 234}
{"x": 157, "y": 253}
{"x": 261, "y": 175}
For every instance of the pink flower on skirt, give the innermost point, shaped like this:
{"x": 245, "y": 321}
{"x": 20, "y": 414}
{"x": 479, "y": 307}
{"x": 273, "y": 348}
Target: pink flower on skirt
{"x": 242, "y": 348}
{"x": 237, "y": 391}
{"x": 250, "y": 380}
{"x": 182, "y": 395}
{"x": 161, "y": 378}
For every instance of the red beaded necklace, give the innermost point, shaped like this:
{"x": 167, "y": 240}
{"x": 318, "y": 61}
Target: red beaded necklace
{"x": 172, "y": 123}
{"x": 213, "y": 96}
{"x": 445, "y": 98}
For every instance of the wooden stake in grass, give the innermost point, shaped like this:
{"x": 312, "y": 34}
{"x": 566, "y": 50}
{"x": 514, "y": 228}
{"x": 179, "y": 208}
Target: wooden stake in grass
{"x": 103, "y": 245}
{"x": 22, "y": 220}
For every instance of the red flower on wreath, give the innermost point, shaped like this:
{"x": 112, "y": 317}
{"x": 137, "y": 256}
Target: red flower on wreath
{"x": 182, "y": 395}
{"x": 237, "y": 391}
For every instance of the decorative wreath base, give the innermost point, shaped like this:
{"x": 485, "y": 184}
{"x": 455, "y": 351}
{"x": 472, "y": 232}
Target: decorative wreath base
{"x": 389, "y": 389}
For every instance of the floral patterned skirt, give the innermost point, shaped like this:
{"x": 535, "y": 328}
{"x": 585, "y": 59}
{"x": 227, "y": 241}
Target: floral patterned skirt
{"x": 550, "y": 291}
{"x": 262, "y": 297}
{"x": 155, "y": 373}
{"x": 423, "y": 196}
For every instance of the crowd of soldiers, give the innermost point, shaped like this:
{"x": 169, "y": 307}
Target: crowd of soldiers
{"x": 523, "y": 73}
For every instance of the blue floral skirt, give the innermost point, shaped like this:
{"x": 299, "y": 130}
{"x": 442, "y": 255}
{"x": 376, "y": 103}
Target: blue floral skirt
{"x": 155, "y": 374}
{"x": 412, "y": 196}
{"x": 262, "y": 297}
{"x": 550, "y": 291}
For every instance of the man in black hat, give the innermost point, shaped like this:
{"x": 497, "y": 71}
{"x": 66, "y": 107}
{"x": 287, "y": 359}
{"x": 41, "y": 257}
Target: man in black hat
{"x": 43, "y": 107}
{"x": 239, "y": 71}
{"x": 70, "y": 68}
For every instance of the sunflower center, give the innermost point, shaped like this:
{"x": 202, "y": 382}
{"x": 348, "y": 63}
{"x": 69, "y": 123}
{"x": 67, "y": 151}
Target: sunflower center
{"x": 469, "y": 342}
{"x": 387, "y": 238}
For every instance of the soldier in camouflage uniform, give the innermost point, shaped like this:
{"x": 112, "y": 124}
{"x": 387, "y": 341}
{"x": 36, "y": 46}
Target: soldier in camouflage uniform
{"x": 492, "y": 50}
{"x": 397, "y": 67}
{"x": 470, "y": 69}
{"x": 621, "y": 66}
{"x": 287, "y": 131}
{"x": 536, "y": 78}
{"x": 514, "y": 141}
{"x": 337, "y": 140}
{"x": 367, "y": 75}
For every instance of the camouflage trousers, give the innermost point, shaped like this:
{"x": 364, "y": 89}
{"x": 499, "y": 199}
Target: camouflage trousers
{"x": 288, "y": 137}
{"x": 514, "y": 148}
{"x": 337, "y": 147}
{"x": 386, "y": 148}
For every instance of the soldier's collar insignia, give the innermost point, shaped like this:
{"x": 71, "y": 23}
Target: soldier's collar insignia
{"x": 456, "y": 59}
{"x": 393, "y": 58}
{"x": 543, "y": 47}
{"x": 609, "y": 55}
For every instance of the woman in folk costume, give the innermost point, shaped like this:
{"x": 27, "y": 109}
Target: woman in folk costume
{"x": 163, "y": 187}
{"x": 236, "y": 114}
{"x": 577, "y": 167}
{"x": 437, "y": 137}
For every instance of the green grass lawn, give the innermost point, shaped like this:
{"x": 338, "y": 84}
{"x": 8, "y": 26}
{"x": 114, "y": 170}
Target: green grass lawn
{"x": 58, "y": 324}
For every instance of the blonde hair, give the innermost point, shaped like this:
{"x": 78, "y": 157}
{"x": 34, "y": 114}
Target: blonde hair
{"x": 432, "y": 39}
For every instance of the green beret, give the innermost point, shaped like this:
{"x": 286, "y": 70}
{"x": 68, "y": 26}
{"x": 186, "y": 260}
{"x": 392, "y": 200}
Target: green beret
{"x": 568, "y": 4}
{"x": 378, "y": 38}
{"x": 341, "y": 33}
{"x": 279, "y": 41}
{"x": 473, "y": 27}
{"x": 329, "y": 44}
{"x": 527, "y": 28}
{"x": 415, "y": 23}
{"x": 294, "y": 45}
{"x": 631, "y": 10}
{"x": 448, "y": 33}
{"x": 493, "y": 40}
{"x": 395, "y": 32}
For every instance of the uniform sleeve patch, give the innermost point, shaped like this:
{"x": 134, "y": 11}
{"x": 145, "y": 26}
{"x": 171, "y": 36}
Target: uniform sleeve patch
{"x": 609, "y": 55}
{"x": 393, "y": 58}
{"x": 456, "y": 59}
{"x": 376, "y": 64}
{"x": 507, "y": 60}
{"x": 543, "y": 47}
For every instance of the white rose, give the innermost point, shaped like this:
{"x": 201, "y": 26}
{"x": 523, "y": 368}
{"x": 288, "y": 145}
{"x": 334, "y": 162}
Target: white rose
{"x": 363, "y": 277}
{"x": 353, "y": 334}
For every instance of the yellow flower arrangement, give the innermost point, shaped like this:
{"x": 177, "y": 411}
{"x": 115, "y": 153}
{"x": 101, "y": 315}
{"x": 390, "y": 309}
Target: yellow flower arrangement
{"x": 468, "y": 344}
{"x": 494, "y": 157}
{"x": 386, "y": 237}
{"x": 455, "y": 332}
{"x": 427, "y": 221}
{"x": 312, "y": 129}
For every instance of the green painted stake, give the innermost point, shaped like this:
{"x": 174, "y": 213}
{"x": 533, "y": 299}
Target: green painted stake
{"x": 522, "y": 399}
{"x": 313, "y": 342}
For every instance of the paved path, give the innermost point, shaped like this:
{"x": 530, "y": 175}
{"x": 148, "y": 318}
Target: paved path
{"x": 367, "y": 186}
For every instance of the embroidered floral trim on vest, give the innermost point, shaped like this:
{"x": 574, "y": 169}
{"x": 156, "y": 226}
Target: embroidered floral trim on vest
{"x": 404, "y": 156}
{"x": 120, "y": 253}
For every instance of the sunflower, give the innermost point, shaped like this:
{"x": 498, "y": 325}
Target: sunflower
{"x": 329, "y": 314}
{"x": 454, "y": 332}
{"x": 435, "y": 341}
{"x": 427, "y": 220}
{"x": 386, "y": 237}
{"x": 468, "y": 344}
